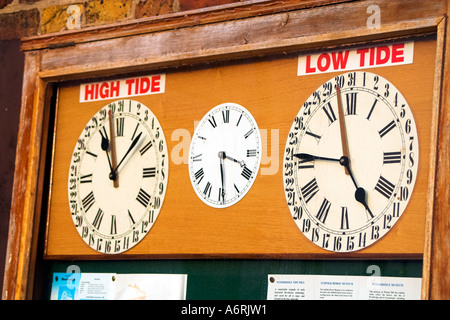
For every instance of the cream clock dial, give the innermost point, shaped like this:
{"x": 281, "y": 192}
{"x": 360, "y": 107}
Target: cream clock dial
{"x": 224, "y": 155}
{"x": 118, "y": 176}
{"x": 350, "y": 162}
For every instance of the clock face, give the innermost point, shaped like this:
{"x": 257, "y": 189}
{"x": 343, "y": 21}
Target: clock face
{"x": 118, "y": 176}
{"x": 224, "y": 155}
{"x": 348, "y": 179}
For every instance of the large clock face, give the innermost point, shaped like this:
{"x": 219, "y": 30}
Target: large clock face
{"x": 350, "y": 162}
{"x": 118, "y": 176}
{"x": 224, "y": 155}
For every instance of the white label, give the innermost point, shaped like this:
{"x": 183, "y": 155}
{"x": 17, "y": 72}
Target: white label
{"x": 326, "y": 287}
{"x": 123, "y": 88}
{"x": 113, "y": 286}
{"x": 356, "y": 58}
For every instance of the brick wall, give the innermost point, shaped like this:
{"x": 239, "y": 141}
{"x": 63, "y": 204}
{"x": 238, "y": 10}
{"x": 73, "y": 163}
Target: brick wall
{"x": 24, "y": 18}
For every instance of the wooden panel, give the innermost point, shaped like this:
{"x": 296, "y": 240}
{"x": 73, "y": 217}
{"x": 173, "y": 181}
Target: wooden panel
{"x": 436, "y": 279}
{"x": 238, "y": 38}
{"x": 260, "y": 225}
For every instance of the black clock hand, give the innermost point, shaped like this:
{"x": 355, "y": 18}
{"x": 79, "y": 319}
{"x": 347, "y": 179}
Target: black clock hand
{"x": 105, "y": 147}
{"x": 309, "y": 157}
{"x": 222, "y": 174}
{"x": 225, "y": 156}
{"x": 133, "y": 143}
{"x": 360, "y": 193}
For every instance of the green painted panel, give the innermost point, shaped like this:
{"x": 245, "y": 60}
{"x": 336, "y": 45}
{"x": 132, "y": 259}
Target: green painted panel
{"x": 218, "y": 279}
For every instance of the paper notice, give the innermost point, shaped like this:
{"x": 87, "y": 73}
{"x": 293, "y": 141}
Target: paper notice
{"x": 326, "y": 287}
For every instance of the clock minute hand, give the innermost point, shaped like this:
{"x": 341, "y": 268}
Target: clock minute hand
{"x": 113, "y": 150}
{"x": 309, "y": 157}
{"x": 342, "y": 129}
{"x": 133, "y": 144}
{"x": 222, "y": 174}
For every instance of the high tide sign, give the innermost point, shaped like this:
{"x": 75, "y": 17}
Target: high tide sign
{"x": 356, "y": 58}
{"x": 123, "y": 88}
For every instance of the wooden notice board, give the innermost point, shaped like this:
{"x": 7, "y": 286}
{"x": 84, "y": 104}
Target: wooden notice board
{"x": 244, "y": 53}
{"x": 260, "y": 225}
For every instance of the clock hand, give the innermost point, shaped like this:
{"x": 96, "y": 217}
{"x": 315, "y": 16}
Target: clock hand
{"x": 133, "y": 144}
{"x": 113, "y": 150}
{"x": 222, "y": 174}
{"x": 360, "y": 193}
{"x": 242, "y": 163}
{"x": 105, "y": 147}
{"x": 342, "y": 126}
{"x": 309, "y": 157}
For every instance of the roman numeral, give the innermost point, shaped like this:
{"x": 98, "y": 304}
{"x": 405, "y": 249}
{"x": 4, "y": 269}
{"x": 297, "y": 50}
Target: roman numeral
{"x": 149, "y": 172}
{"x": 344, "y": 219}
{"x": 88, "y": 201}
{"x": 313, "y": 135}
{"x": 384, "y": 187}
{"x": 226, "y": 116}
{"x": 328, "y": 109}
{"x": 308, "y": 165}
{"x": 248, "y": 133}
{"x": 387, "y": 128}
{"x": 246, "y": 173}
{"x": 145, "y": 148}
{"x": 113, "y": 225}
{"x": 197, "y": 157}
{"x": 251, "y": 153}
{"x": 236, "y": 188}
{"x": 143, "y": 198}
{"x": 392, "y": 157}
{"x": 207, "y": 190}
{"x": 91, "y": 154}
{"x": 131, "y": 217}
{"x": 212, "y": 121}
{"x": 120, "y": 122}
{"x": 371, "y": 109}
{"x": 351, "y": 103}
{"x": 239, "y": 120}
{"x": 199, "y": 175}
{"x": 98, "y": 219}
{"x": 134, "y": 133}
{"x": 323, "y": 210}
{"x": 221, "y": 195}
{"x": 86, "y": 179}
{"x": 310, "y": 190}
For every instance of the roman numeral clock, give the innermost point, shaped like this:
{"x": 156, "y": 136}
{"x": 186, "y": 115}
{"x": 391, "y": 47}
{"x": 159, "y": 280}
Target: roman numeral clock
{"x": 351, "y": 161}
{"x": 118, "y": 176}
{"x": 224, "y": 155}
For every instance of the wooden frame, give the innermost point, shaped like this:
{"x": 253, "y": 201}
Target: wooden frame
{"x": 229, "y": 32}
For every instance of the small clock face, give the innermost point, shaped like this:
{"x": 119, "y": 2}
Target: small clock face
{"x": 118, "y": 176}
{"x": 224, "y": 155}
{"x": 349, "y": 178}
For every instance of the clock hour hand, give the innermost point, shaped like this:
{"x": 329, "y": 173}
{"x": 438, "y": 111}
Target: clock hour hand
{"x": 360, "y": 193}
{"x": 133, "y": 144}
{"x": 309, "y": 157}
{"x": 105, "y": 147}
{"x": 225, "y": 156}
